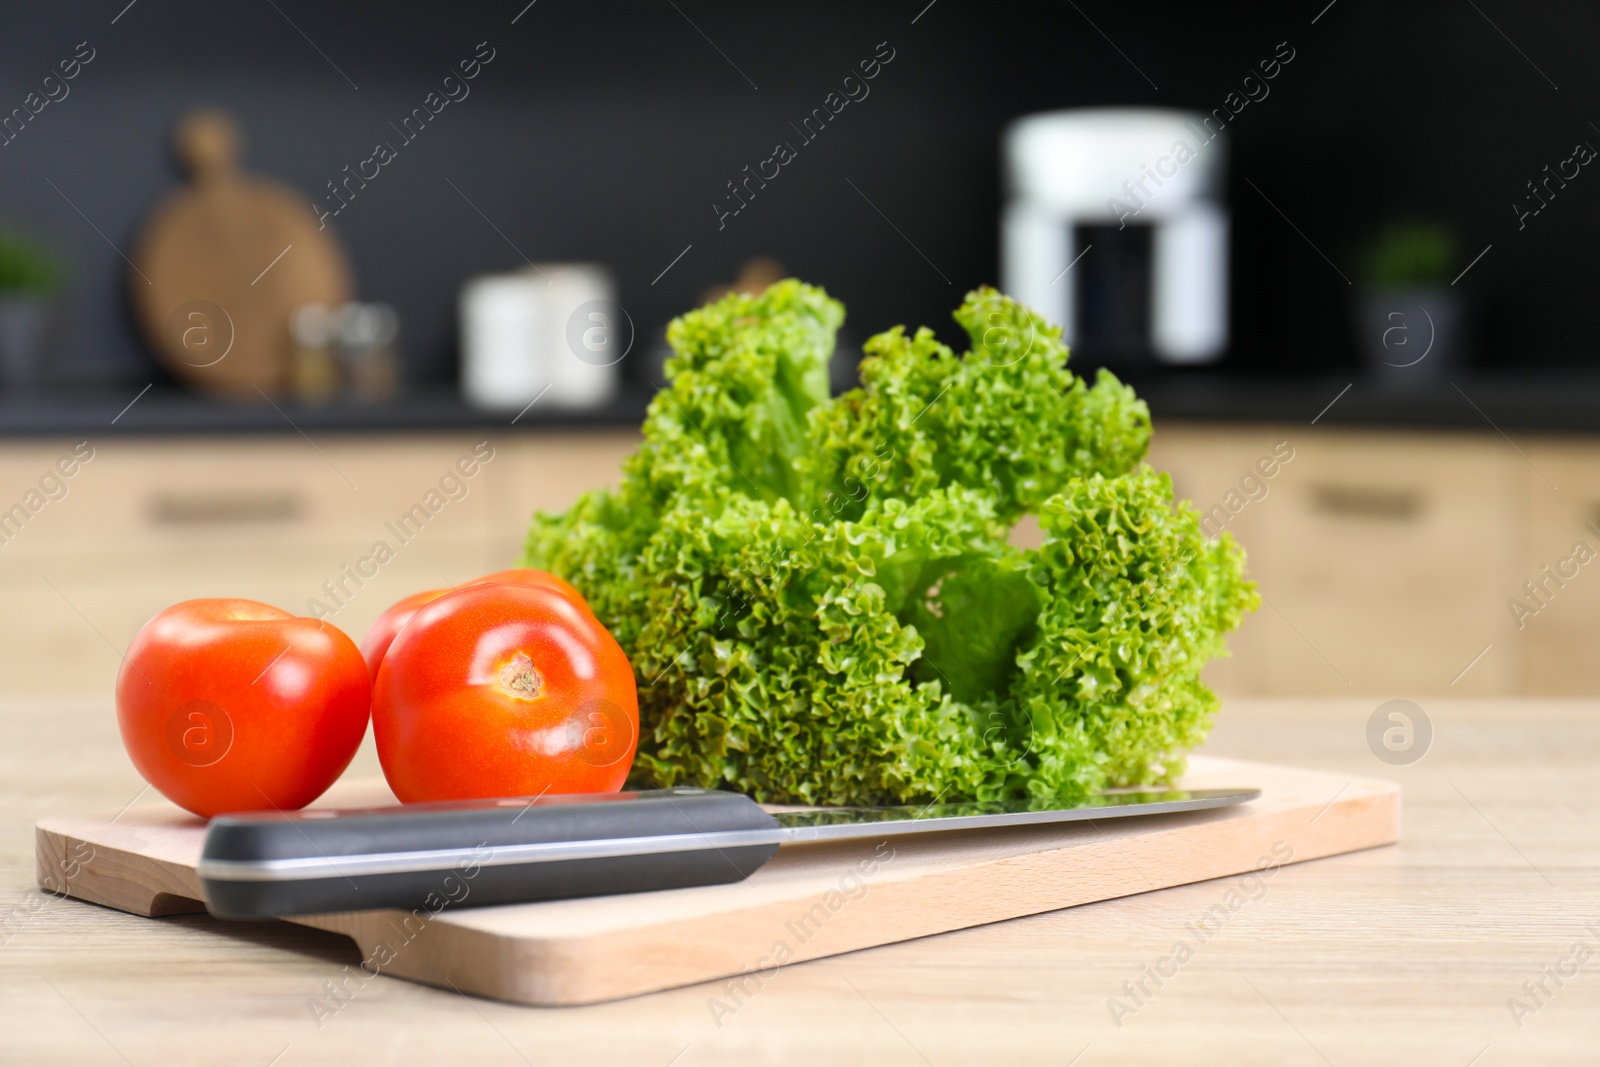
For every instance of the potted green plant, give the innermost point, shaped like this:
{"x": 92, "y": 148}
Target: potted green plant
{"x": 1409, "y": 318}
{"x": 30, "y": 278}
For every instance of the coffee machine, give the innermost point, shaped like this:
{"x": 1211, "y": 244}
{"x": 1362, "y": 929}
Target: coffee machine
{"x": 1115, "y": 228}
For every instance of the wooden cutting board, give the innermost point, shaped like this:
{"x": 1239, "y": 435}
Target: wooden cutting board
{"x": 809, "y": 901}
{"x": 224, "y": 262}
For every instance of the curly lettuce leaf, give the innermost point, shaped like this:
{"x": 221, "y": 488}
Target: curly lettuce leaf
{"x": 1136, "y": 601}
{"x": 747, "y": 372}
{"x": 1008, "y": 417}
{"x": 819, "y": 598}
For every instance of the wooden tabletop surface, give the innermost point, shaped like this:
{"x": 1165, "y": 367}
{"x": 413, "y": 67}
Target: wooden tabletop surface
{"x": 1466, "y": 944}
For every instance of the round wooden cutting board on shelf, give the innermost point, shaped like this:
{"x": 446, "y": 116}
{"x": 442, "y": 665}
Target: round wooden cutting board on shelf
{"x": 222, "y": 265}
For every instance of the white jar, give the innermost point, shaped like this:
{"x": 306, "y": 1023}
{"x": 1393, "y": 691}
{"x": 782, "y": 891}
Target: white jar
{"x": 554, "y": 334}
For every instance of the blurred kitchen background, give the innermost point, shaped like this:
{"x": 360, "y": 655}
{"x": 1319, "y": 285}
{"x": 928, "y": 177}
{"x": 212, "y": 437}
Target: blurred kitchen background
{"x": 1357, "y": 311}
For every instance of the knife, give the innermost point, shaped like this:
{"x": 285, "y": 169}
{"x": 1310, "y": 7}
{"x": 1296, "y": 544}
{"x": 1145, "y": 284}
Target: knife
{"x": 521, "y": 849}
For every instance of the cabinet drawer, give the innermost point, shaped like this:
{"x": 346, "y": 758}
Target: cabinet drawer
{"x": 69, "y": 614}
{"x": 145, "y": 524}
{"x": 1557, "y": 621}
{"x": 1389, "y": 557}
{"x": 1221, "y": 471}
{"x": 175, "y": 494}
{"x": 549, "y": 473}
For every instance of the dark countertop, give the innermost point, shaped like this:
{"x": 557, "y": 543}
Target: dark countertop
{"x": 1537, "y": 402}
{"x": 176, "y": 412}
{"x": 1528, "y": 402}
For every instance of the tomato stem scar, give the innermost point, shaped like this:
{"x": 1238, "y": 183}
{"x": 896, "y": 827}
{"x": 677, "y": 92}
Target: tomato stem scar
{"x": 521, "y": 679}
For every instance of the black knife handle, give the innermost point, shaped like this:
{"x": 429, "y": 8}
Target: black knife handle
{"x": 478, "y": 852}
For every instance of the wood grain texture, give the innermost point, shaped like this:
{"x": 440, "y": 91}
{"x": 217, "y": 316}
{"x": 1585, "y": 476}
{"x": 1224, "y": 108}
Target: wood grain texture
{"x": 809, "y": 902}
{"x": 1402, "y": 955}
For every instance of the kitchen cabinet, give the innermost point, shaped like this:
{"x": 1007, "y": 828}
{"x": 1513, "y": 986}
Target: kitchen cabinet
{"x": 1386, "y": 559}
{"x": 1556, "y": 623}
{"x": 145, "y": 523}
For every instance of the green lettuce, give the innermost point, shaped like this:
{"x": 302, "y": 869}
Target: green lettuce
{"x": 820, "y": 598}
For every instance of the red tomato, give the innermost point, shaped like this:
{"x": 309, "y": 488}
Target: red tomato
{"x": 391, "y": 622}
{"x": 234, "y": 705}
{"x": 503, "y": 691}
{"x": 376, "y": 644}
{"x": 531, "y": 576}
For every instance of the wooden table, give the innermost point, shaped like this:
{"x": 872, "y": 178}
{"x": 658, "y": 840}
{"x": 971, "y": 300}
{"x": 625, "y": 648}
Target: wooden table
{"x": 1409, "y": 955}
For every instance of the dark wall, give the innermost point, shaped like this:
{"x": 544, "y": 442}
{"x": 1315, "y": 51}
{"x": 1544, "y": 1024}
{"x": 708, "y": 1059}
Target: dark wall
{"x": 605, "y": 130}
